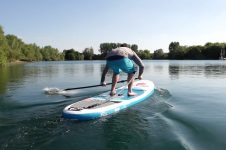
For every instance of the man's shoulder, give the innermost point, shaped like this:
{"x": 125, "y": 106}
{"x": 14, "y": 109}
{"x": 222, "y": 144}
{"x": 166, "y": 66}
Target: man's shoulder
{"x": 124, "y": 48}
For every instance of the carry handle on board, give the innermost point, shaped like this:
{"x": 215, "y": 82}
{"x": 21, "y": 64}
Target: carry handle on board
{"x": 84, "y": 87}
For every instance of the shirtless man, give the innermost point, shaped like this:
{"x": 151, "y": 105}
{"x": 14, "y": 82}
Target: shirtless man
{"x": 121, "y": 59}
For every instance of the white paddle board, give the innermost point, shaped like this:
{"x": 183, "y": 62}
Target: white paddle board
{"x": 104, "y": 104}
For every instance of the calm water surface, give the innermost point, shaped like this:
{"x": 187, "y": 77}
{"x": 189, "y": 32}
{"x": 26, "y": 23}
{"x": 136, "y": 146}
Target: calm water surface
{"x": 188, "y": 111}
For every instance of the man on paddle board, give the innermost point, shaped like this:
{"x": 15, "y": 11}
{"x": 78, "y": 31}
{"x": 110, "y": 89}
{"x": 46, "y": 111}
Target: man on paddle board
{"x": 121, "y": 59}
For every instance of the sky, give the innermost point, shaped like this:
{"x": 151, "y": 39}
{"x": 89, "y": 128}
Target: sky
{"x": 78, "y": 24}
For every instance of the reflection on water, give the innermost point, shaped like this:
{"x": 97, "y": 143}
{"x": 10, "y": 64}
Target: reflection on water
{"x": 88, "y": 68}
{"x": 211, "y": 69}
{"x": 157, "y": 68}
{"x": 13, "y": 74}
{"x": 215, "y": 71}
{"x": 174, "y": 72}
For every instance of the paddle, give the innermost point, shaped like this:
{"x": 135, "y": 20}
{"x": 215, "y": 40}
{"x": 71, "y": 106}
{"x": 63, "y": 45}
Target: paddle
{"x": 52, "y": 91}
{"x": 84, "y": 87}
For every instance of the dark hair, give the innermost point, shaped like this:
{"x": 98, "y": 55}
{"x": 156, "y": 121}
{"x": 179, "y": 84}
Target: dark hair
{"x": 123, "y": 45}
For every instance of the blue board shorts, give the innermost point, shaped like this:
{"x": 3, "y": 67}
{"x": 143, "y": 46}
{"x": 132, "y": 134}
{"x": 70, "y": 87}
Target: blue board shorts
{"x": 124, "y": 64}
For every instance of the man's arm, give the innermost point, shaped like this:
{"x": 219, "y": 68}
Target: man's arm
{"x": 139, "y": 62}
{"x": 104, "y": 74}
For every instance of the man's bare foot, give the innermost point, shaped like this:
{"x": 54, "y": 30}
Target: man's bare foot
{"x": 112, "y": 93}
{"x": 132, "y": 94}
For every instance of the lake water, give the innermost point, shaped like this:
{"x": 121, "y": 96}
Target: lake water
{"x": 188, "y": 111}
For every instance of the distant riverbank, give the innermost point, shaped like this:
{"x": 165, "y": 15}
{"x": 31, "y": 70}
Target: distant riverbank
{"x": 17, "y": 62}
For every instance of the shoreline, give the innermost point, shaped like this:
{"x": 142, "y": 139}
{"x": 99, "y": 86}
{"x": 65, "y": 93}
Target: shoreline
{"x": 17, "y": 62}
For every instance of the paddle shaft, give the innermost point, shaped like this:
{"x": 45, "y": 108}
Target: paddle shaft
{"x": 85, "y": 87}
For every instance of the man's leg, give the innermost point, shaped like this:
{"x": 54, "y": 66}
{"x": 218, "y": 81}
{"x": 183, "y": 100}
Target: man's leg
{"x": 130, "y": 79}
{"x": 115, "y": 79}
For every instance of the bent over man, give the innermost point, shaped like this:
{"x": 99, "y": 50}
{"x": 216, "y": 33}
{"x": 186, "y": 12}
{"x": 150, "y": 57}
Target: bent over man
{"x": 121, "y": 59}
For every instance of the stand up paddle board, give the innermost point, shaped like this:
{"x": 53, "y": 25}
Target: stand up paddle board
{"x": 104, "y": 104}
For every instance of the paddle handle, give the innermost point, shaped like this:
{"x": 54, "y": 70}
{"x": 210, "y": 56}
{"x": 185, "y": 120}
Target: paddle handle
{"x": 85, "y": 87}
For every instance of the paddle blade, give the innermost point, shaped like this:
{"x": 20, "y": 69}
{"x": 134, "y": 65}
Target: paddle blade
{"x": 52, "y": 91}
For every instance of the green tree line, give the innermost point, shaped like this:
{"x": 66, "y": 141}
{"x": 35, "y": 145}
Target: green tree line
{"x": 210, "y": 51}
{"x": 13, "y": 48}
{"x": 88, "y": 53}
{"x": 107, "y": 47}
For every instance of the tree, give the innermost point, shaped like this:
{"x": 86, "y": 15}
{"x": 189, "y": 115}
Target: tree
{"x": 158, "y": 54}
{"x": 50, "y": 54}
{"x": 15, "y": 45}
{"x": 37, "y": 52}
{"x": 97, "y": 57}
{"x": 3, "y": 58}
{"x": 88, "y": 53}
{"x": 176, "y": 51}
{"x": 3, "y": 48}
{"x": 134, "y": 47}
{"x": 28, "y": 53}
{"x": 78, "y": 56}
{"x": 107, "y": 47}
{"x": 144, "y": 54}
{"x": 213, "y": 50}
{"x": 71, "y": 54}
{"x": 12, "y": 48}
{"x": 194, "y": 52}
{"x": 173, "y": 47}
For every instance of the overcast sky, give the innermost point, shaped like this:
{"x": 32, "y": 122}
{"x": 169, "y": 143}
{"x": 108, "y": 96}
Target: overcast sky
{"x": 151, "y": 24}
